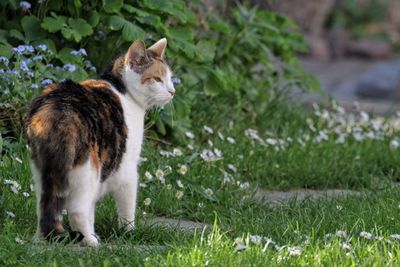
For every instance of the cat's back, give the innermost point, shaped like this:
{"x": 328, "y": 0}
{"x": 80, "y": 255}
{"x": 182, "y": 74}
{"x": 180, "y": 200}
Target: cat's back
{"x": 81, "y": 118}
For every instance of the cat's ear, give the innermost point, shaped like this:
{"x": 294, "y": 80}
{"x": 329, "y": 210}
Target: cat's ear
{"x": 159, "y": 47}
{"x": 136, "y": 54}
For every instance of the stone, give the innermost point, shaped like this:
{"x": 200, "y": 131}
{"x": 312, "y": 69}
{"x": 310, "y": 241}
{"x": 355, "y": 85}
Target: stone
{"x": 381, "y": 82}
{"x": 179, "y": 224}
{"x": 274, "y": 198}
{"x": 369, "y": 48}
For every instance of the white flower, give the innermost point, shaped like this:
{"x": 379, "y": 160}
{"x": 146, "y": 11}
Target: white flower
{"x": 256, "y": 239}
{"x": 142, "y": 185}
{"x": 394, "y": 144}
{"x": 200, "y": 205}
{"x": 14, "y": 189}
{"x": 177, "y": 152}
{"x": 240, "y": 247}
{"x": 208, "y": 129}
{"x": 209, "y": 192}
{"x": 366, "y": 235}
{"x": 64, "y": 212}
{"x": 210, "y": 143}
{"x": 208, "y": 155}
{"x": 217, "y": 152}
{"x": 159, "y": 173}
{"x": 340, "y": 233}
{"x": 25, "y": 194}
{"x": 221, "y": 136}
{"x": 226, "y": 178}
{"x": 19, "y": 241}
{"x": 13, "y": 183}
{"x": 190, "y": 147}
{"x": 294, "y": 251}
{"x": 183, "y": 169}
{"x": 179, "y": 183}
{"x": 339, "y": 207}
{"x": 147, "y": 201}
{"x": 179, "y": 194}
{"x": 169, "y": 186}
{"x": 271, "y": 141}
{"x": 31, "y": 187}
{"x": 10, "y": 214}
{"x": 18, "y": 160}
{"x": 232, "y": 168}
{"x": 148, "y": 176}
{"x": 245, "y": 185}
{"x": 162, "y": 180}
{"x": 364, "y": 116}
{"x": 166, "y": 154}
{"x": 189, "y": 135}
{"x": 395, "y": 236}
{"x": 231, "y": 140}
{"x": 345, "y": 246}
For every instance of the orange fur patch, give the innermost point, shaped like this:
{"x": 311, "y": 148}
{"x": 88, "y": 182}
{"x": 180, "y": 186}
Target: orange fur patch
{"x": 94, "y": 84}
{"x": 157, "y": 69}
{"x": 40, "y": 125}
{"x": 50, "y": 88}
{"x": 94, "y": 155}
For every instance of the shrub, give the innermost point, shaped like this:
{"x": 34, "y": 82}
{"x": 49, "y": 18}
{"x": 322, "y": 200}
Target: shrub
{"x": 240, "y": 62}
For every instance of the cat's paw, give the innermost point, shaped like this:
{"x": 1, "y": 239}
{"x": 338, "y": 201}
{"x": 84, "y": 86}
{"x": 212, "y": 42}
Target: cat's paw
{"x": 90, "y": 241}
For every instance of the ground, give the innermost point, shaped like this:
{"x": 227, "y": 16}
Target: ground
{"x": 227, "y": 180}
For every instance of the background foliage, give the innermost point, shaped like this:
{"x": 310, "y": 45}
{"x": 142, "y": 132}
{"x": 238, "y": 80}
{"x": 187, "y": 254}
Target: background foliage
{"x": 242, "y": 60}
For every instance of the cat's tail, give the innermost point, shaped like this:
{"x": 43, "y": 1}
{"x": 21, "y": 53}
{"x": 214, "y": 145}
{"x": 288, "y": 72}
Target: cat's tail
{"x": 56, "y": 161}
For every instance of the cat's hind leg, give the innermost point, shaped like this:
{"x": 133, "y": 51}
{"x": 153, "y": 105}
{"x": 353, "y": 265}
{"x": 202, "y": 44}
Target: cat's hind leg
{"x": 124, "y": 194}
{"x": 84, "y": 188}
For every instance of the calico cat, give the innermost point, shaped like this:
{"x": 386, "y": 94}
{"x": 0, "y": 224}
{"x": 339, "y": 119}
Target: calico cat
{"x": 85, "y": 140}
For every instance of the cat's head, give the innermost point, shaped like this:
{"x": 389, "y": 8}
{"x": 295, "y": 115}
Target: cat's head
{"x": 145, "y": 74}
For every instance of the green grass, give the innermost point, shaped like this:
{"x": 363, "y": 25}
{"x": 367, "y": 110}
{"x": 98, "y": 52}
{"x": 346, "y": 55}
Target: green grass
{"x": 216, "y": 194}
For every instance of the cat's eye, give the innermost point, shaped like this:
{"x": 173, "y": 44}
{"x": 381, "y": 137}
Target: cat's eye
{"x": 157, "y": 79}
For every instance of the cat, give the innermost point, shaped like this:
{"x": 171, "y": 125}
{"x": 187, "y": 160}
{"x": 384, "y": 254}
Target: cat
{"x": 84, "y": 140}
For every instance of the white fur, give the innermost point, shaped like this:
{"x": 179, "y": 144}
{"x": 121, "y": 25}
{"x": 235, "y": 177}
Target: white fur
{"x": 149, "y": 94}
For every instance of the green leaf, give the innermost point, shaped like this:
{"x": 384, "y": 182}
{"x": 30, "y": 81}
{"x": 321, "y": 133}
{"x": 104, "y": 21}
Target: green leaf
{"x": 181, "y": 33}
{"x": 216, "y": 82}
{"x": 77, "y": 4}
{"x": 205, "y": 51}
{"x": 80, "y": 27}
{"x": 131, "y": 32}
{"x": 94, "y": 18}
{"x": 54, "y": 24}
{"x": 112, "y": 6}
{"x": 67, "y": 33}
{"x": 3, "y": 36}
{"x": 32, "y": 29}
{"x": 65, "y": 56}
{"x": 115, "y": 23}
{"x": 6, "y": 50}
{"x": 16, "y": 34}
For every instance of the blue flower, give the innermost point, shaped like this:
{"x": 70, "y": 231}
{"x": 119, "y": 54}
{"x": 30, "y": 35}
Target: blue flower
{"x": 37, "y": 58}
{"x": 46, "y": 82}
{"x": 70, "y": 67}
{"x": 4, "y": 60}
{"x": 42, "y": 47}
{"x": 34, "y": 86}
{"x": 22, "y": 49}
{"x": 80, "y": 52}
{"x": 6, "y": 92}
{"x": 23, "y": 66}
{"x": 176, "y": 80}
{"x": 25, "y": 5}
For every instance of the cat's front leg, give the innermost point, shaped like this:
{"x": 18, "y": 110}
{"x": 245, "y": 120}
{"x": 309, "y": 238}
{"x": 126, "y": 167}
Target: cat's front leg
{"x": 125, "y": 198}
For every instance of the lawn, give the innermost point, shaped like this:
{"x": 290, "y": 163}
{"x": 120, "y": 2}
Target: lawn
{"x": 212, "y": 177}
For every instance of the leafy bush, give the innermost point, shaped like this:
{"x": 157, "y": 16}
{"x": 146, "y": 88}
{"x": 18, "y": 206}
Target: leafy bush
{"x": 239, "y": 62}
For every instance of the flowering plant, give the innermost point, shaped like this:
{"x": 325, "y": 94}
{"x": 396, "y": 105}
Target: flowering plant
{"x": 30, "y": 69}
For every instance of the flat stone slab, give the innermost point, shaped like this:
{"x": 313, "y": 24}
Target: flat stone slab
{"x": 179, "y": 224}
{"x": 277, "y": 197}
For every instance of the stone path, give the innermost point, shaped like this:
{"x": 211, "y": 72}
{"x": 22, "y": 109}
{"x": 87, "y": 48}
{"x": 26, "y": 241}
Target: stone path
{"x": 274, "y": 198}
{"x": 179, "y": 224}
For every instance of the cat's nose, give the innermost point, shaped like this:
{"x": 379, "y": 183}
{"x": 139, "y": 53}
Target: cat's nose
{"x": 171, "y": 90}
